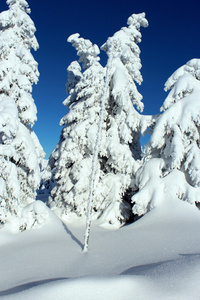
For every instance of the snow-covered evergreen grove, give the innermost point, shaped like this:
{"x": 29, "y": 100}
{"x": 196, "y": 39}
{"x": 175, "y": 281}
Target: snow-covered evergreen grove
{"x": 98, "y": 175}
{"x": 99, "y": 150}
{"x": 97, "y": 167}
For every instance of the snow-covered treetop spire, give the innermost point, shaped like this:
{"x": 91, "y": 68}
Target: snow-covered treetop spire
{"x": 23, "y": 4}
{"x": 87, "y": 52}
{"x": 192, "y": 67}
{"x": 18, "y": 19}
{"x": 137, "y": 20}
{"x": 74, "y": 76}
{"x": 18, "y": 69}
{"x": 181, "y": 82}
{"x": 124, "y": 52}
{"x": 125, "y": 41}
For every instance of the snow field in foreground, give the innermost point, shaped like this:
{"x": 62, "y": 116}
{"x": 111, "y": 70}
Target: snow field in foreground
{"x": 157, "y": 257}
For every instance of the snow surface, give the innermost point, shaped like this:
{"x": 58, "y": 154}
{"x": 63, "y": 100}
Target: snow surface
{"x": 157, "y": 257}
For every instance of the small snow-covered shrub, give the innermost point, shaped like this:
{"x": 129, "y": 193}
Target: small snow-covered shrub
{"x": 34, "y": 215}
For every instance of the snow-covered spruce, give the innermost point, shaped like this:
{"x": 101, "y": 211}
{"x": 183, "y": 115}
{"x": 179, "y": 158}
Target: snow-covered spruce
{"x": 71, "y": 161}
{"x": 18, "y": 69}
{"x": 9, "y": 185}
{"x": 119, "y": 148}
{"x": 124, "y": 123}
{"x": 21, "y": 152}
{"x": 172, "y": 165}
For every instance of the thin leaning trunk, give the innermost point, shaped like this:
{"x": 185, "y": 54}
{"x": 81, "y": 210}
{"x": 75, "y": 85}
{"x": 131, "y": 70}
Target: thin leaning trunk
{"x": 95, "y": 157}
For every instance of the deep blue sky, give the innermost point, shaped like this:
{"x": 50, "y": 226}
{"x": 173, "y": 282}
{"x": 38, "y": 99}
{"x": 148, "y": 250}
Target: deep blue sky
{"x": 172, "y": 38}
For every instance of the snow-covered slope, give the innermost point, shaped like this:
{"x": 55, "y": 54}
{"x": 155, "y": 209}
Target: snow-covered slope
{"x": 157, "y": 257}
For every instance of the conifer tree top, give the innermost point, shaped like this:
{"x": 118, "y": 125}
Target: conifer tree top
{"x": 138, "y": 20}
{"x": 87, "y": 51}
{"x": 181, "y": 82}
{"x": 18, "y": 20}
{"x": 23, "y": 4}
{"x": 121, "y": 39}
{"x": 18, "y": 69}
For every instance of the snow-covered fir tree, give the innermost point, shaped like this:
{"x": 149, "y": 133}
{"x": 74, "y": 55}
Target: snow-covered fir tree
{"x": 124, "y": 123}
{"x": 172, "y": 165}
{"x": 71, "y": 161}
{"x": 18, "y": 72}
{"x": 9, "y": 185}
{"x": 119, "y": 148}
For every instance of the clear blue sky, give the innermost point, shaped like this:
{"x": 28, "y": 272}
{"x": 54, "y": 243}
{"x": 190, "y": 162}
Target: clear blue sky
{"x": 172, "y": 38}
